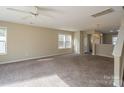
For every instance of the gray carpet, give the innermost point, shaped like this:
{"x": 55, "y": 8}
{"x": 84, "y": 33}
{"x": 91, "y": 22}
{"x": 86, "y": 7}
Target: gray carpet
{"x": 59, "y": 71}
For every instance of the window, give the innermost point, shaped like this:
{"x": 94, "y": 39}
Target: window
{"x": 68, "y": 41}
{"x": 3, "y": 40}
{"x": 64, "y": 41}
{"x": 61, "y": 41}
{"x": 114, "y": 39}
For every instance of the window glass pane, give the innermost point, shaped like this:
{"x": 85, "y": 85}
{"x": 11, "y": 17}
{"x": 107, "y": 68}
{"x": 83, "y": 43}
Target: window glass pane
{"x": 2, "y": 40}
{"x": 2, "y": 32}
{"x": 68, "y": 44}
{"x": 61, "y": 44}
{"x": 61, "y": 41}
{"x": 2, "y": 47}
{"x": 68, "y": 41}
{"x": 61, "y": 37}
{"x": 68, "y": 38}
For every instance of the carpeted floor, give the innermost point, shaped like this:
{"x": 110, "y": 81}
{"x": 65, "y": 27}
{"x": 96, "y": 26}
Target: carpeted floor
{"x": 60, "y": 71}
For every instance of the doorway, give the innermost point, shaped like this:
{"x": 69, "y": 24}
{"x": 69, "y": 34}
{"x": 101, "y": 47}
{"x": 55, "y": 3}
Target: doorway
{"x": 89, "y": 44}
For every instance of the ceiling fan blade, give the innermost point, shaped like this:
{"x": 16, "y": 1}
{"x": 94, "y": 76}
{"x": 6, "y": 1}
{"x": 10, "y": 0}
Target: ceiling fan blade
{"x": 17, "y": 10}
{"x": 26, "y": 17}
{"x": 41, "y": 10}
{"x": 44, "y": 8}
{"x": 45, "y": 15}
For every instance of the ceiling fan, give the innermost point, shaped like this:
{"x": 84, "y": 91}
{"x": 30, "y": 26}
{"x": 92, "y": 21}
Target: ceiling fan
{"x": 37, "y": 11}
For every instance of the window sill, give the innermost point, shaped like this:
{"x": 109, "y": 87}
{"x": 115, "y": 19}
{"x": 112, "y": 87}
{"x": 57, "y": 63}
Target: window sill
{"x": 2, "y": 54}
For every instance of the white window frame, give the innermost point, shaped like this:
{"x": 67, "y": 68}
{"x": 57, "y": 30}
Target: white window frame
{"x": 69, "y": 41}
{"x": 4, "y": 53}
{"x": 65, "y": 46}
{"x": 60, "y": 41}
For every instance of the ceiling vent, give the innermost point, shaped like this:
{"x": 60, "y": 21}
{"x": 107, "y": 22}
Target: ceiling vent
{"x": 107, "y": 11}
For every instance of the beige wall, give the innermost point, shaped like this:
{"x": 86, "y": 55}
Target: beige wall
{"x": 25, "y": 41}
{"x": 104, "y": 50}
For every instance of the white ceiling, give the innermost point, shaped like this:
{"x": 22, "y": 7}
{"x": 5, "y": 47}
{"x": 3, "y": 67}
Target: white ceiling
{"x": 72, "y": 18}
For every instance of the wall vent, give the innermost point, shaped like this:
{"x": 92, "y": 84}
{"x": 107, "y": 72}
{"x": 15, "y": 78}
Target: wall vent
{"x": 107, "y": 11}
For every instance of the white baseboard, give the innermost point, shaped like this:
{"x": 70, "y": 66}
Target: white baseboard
{"x": 20, "y": 60}
{"x": 116, "y": 85}
{"x": 104, "y": 55}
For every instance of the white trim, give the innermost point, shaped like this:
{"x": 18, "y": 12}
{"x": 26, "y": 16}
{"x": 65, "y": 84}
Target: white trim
{"x": 105, "y": 55}
{"x": 3, "y": 54}
{"x": 20, "y": 60}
